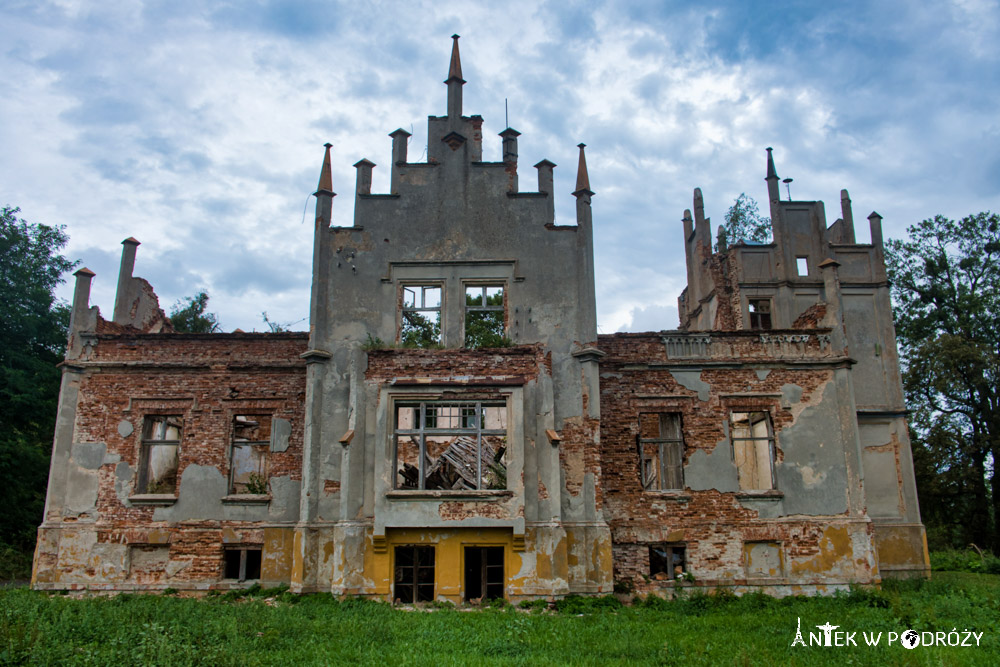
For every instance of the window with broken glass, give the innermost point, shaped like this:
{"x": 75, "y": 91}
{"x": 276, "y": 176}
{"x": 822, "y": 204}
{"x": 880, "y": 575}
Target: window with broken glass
{"x": 420, "y": 320}
{"x": 667, "y": 561}
{"x": 760, "y": 313}
{"x": 661, "y": 451}
{"x": 753, "y": 449}
{"x": 161, "y": 440}
{"x": 455, "y": 445}
{"x": 484, "y": 316}
{"x": 248, "y": 455}
{"x": 242, "y": 563}
{"x": 413, "y": 579}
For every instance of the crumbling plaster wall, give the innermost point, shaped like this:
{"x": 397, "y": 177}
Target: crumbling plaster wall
{"x": 824, "y": 542}
{"x": 96, "y": 523}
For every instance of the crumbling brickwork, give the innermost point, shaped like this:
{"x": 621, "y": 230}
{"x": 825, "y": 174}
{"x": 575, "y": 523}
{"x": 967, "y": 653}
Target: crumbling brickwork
{"x": 760, "y": 446}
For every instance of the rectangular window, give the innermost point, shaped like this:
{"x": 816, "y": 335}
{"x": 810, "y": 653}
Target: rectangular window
{"x": 420, "y": 322}
{"x": 484, "y": 578}
{"x": 461, "y": 445}
{"x": 248, "y": 455}
{"x": 753, "y": 449}
{"x": 242, "y": 563}
{"x": 760, "y": 313}
{"x": 661, "y": 451}
{"x": 802, "y": 266}
{"x": 667, "y": 561}
{"x": 160, "y": 457}
{"x": 414, "y": 574}
{"x": 484, "y": 316}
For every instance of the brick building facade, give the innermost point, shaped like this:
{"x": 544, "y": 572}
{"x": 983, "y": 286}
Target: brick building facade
{"x": 453, "y": 427}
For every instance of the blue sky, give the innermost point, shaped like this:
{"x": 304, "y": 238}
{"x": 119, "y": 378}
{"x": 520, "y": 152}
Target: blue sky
{"x": 197, "y": 126}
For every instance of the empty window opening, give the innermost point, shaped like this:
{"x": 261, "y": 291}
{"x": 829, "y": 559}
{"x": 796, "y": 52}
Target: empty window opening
{"x": 802, "y": 265}
{"x": 451, "y": 445}
{"x": 667, "y": 561}
{"x": 760, "y": 313}
{"x": 484, "y": 316}
{"x": 762, "y": 559}
{"x": 420, "y": 322}
{"x": 753, "y": 449}
{"x": 484, "y": 577}
{"x": 242, "y": 563}
{"x": 661, "y": 451}
{"x": 161, "y": 439}
{"x": 248, "y": 455}
{"x": 414, "y": 574}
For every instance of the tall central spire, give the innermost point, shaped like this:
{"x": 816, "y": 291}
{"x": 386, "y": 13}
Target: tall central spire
{"x": 455, "y": 82}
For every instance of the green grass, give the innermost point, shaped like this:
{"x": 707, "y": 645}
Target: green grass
{"x": 274, "y": 627}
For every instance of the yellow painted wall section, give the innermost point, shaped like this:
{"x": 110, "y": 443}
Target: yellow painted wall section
{"x": 902, "y": 548}
{"x": 278, "y": 547}
{"x": 298, "y": 558}
{"x": 449, "y": 558}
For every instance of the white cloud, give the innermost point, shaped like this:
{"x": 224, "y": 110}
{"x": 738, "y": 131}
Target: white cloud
{"x": 198, "y": 128}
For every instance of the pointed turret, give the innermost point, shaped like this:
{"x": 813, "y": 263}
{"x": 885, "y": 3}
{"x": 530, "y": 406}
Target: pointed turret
{"x": 321, "y": 239}
{"x": 455, "y": 82}
{"x": 773, "y": 185}
{"x": 582, "y": 177}
{"x": 326, "y": 175}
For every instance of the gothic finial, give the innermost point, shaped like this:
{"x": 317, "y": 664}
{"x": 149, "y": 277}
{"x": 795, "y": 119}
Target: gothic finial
{"x": 455, "y": 69}
{"x": 771, "y": 173}
{"x": 326, "y": 174}
{"x": 582, "y": 178}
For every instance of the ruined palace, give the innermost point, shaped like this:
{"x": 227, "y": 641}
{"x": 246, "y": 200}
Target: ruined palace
{"x": 453, "y": 427}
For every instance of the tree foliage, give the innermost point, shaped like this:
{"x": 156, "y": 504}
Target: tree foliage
{"x": 485, "y": 328}
{"x": 32, "y": 340}
{"x": 743, "y": 223}
{"x": 188, "y": 315}
{"x": 420, "y": 331}
{"x": 946, "y": 288}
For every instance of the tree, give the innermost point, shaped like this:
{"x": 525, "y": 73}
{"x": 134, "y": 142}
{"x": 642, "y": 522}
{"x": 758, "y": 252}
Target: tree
{"x": 946, "y": 289}
{"x": 272, "y": 326}
{"x": 188, "y": 315}
{"x": 484, "y": 328}
{"x": 743, "y": 223}
{"x": 420, "y": 331}
{"x": 32, "y": 341}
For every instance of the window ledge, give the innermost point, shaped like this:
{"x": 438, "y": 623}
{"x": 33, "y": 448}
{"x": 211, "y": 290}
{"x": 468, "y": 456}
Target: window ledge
{"x": 153, "y": 499}
{"x": 677, "y": 496}
{"x": 486, "y": 495}
{"x": 247, "y": 499}
{"x": 772, "y": 494}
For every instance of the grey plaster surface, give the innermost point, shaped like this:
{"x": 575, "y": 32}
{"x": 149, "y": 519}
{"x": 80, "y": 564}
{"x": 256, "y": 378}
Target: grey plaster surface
{"x": 714, "y": 470}
{"x": 692, "y": 380}
{"x": 813, "y": 473}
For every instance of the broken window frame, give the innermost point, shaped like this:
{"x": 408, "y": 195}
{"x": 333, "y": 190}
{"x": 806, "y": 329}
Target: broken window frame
{"x": 471, "y": 289}
{"x": 428, "y": 413}
{"x": 759, "y": 313}
{"x": 753, "y": 441}
{"x": 245, "y": 560}
{"x": 675, "y": 553}
{"x": 491, "y": 575}
{"x": 416, "y": 590}
{"x": 234, "y": 444}
{"x": 409, "y": 314}
{"x": 665, "y": 443}
{"x": 153, "y": 440}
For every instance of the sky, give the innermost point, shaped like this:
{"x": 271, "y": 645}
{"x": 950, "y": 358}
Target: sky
{"x": 197, "y": 126}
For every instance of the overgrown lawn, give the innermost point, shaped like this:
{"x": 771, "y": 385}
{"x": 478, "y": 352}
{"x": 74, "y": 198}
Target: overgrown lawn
{"x": 37, "y": 628}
